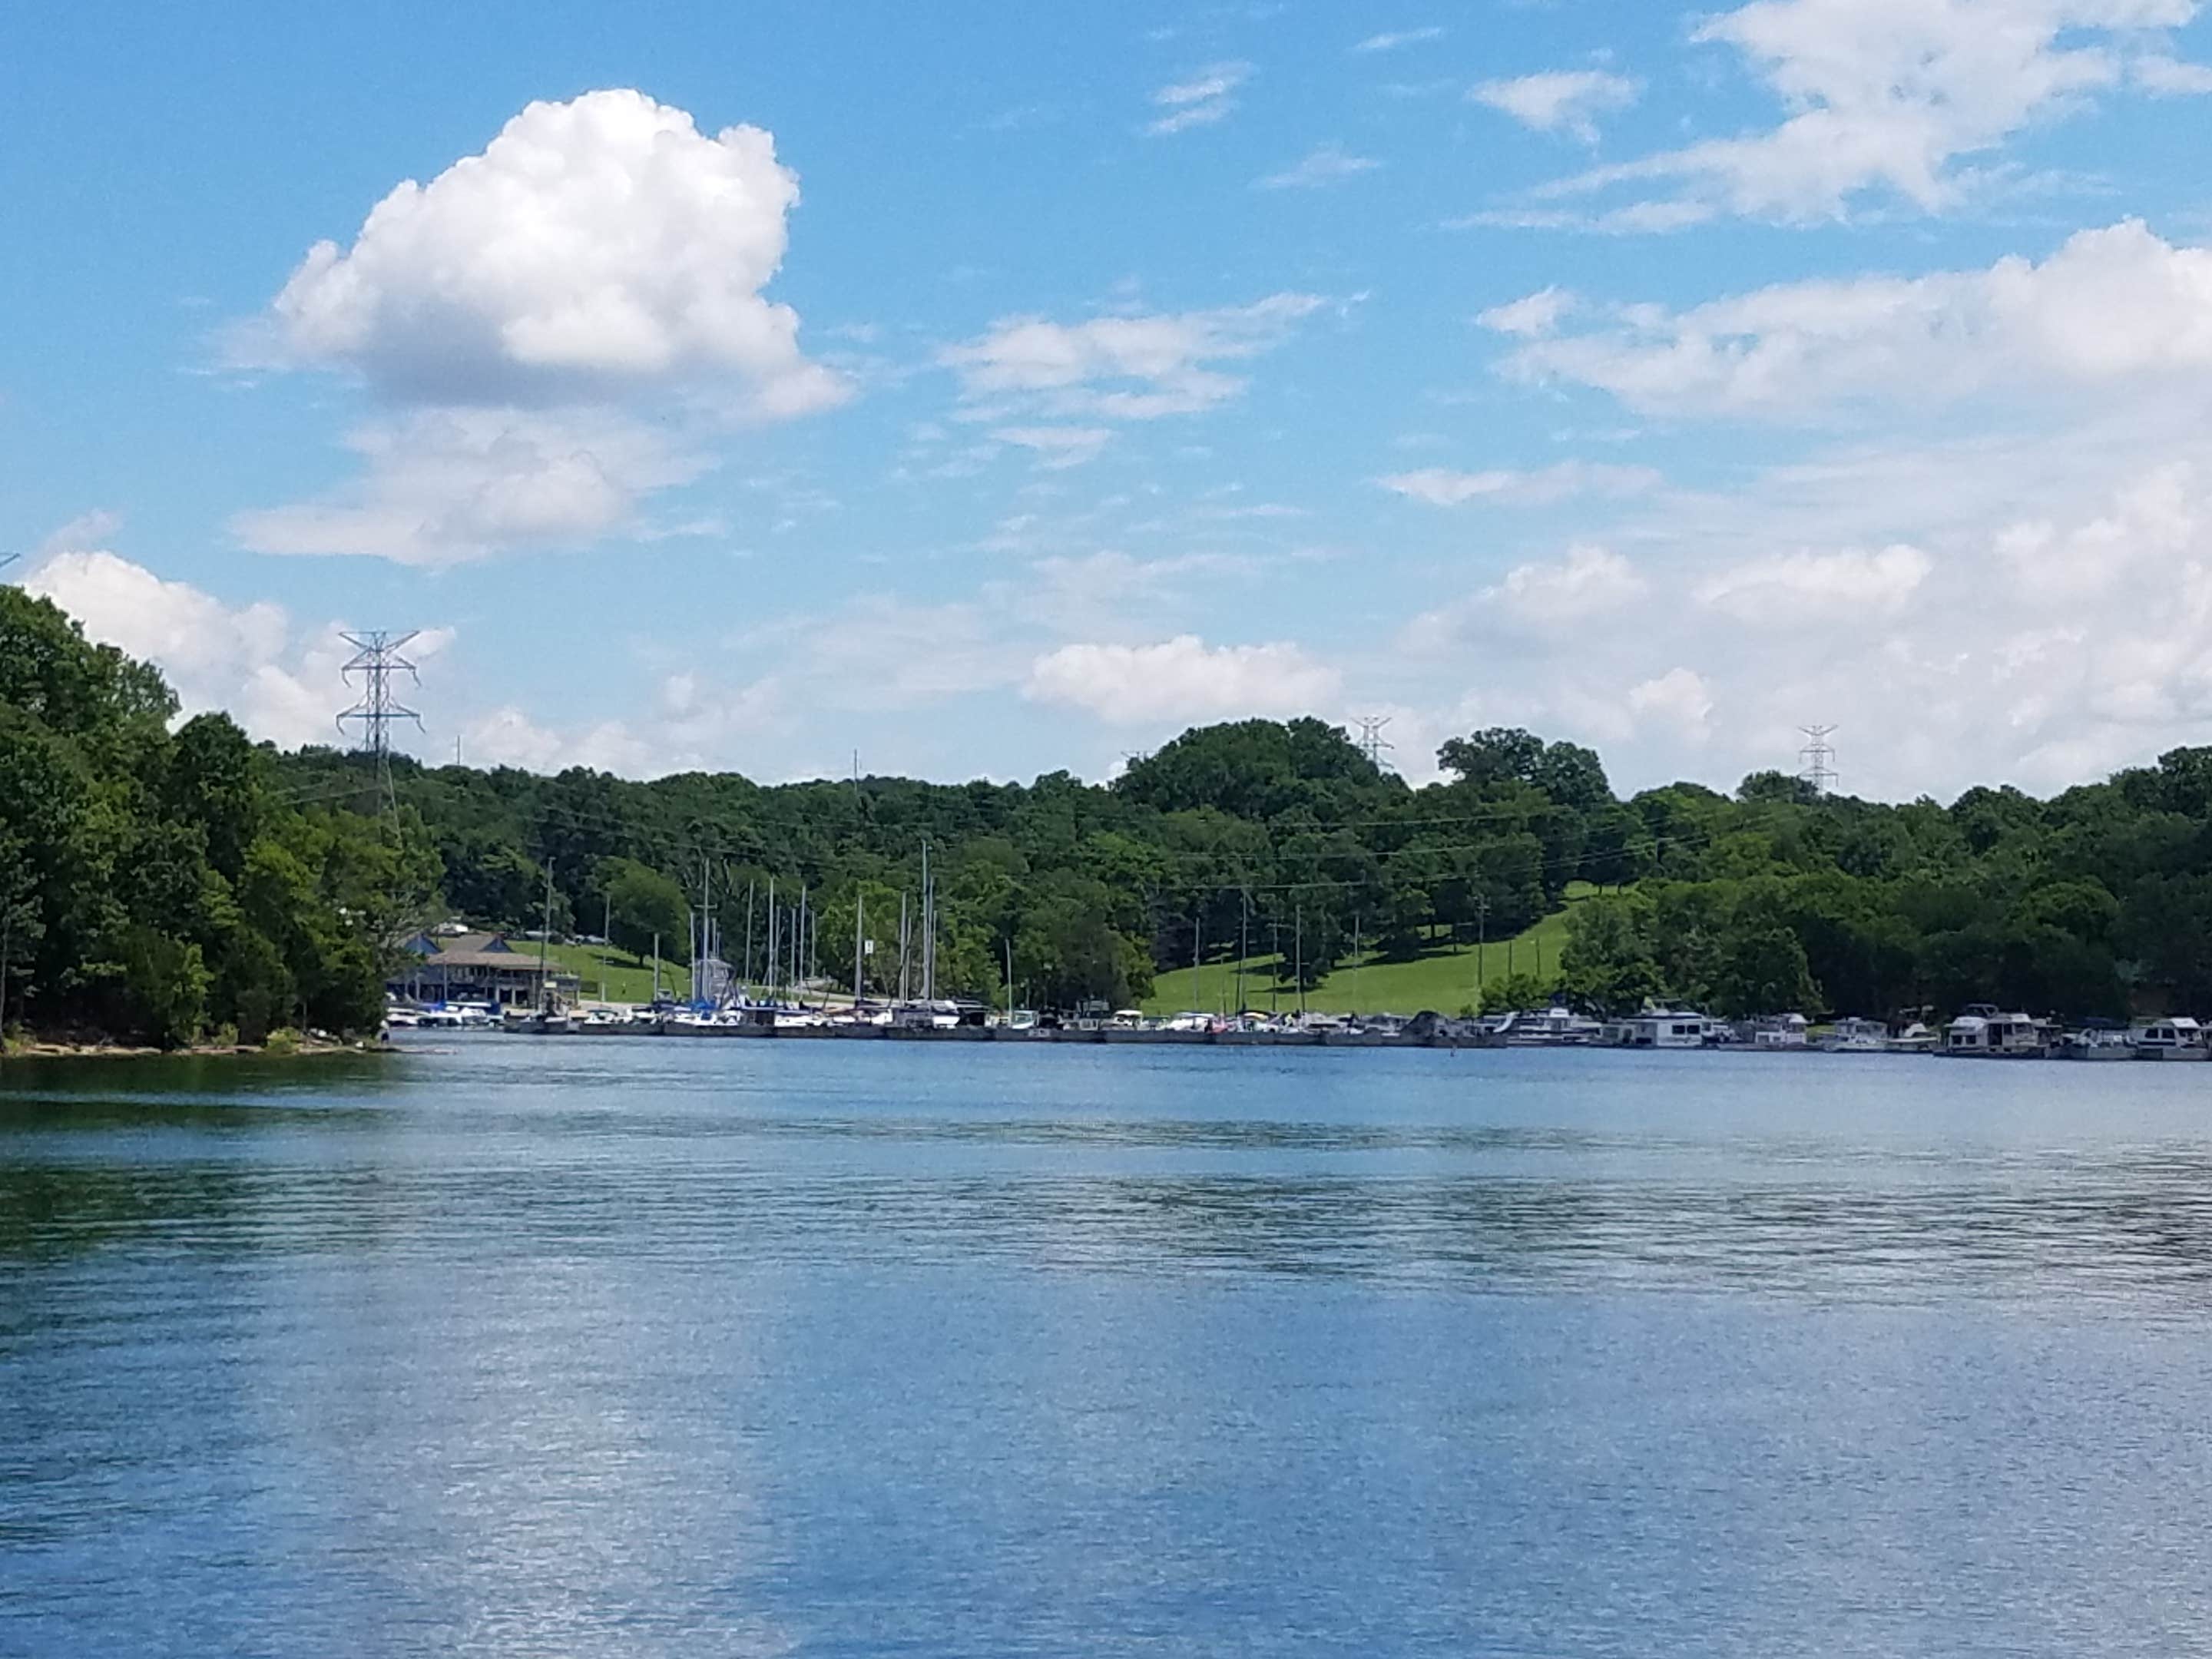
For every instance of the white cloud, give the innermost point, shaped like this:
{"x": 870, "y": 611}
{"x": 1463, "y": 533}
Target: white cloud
{"x": 1323, "y": 165}
{"x": 2151, "y": 527}
{"x": 1538, "y": 601}
{"x": 2042, "y": 648}
{"x": 1530, "y": 317}
{"x": 1587, "y": 581}
{"x": 1442, "y": 487}
{"x": 594, "y": 246}
{"x": 447, "y": 486}
{"x": 1392, "y": 40}
{"x": 279, "y": 681}
{"x": 1126, "y": 368}
{"x": 1181, "y": 679}
{"x": 1889, "y": 94}
{"x": 1058, "y": 446}
{"x": 1845, "y": 588}
{"x": 1206, "y": 97}
{"x": 2115, "y": 307}
{"x": 1561, "y": 101}
{"x": 539, "y": 317}
{"x": 2170, "y": 77}
{"x": 1679, "y": 697}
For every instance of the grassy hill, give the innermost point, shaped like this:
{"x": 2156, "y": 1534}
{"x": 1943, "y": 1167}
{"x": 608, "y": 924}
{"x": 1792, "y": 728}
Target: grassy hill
{"x": 628, "y": 978}
{"x": 1442, "y": 979}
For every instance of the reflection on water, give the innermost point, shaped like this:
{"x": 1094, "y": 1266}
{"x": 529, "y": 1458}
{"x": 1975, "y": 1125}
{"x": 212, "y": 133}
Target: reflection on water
{"x": 544, "y": 1348}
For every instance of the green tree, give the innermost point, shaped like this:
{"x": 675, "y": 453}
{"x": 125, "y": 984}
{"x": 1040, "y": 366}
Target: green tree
{"x": 1608, "y": 965}
{"x": 642, "y": 907}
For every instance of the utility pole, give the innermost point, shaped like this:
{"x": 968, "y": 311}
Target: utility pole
{"x": 1275, "y": 979}
{"x": 1816, "y": 760}
{"x": 377, "y": 662}
{"x": 1481, "y": 944}
{"x": 1356, "y": 920}
{"x": 1243, "y": 943}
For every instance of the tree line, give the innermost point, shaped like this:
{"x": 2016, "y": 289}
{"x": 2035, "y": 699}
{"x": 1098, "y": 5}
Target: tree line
{"x": 167, "y": 880}
{"x": 156, "y": 880}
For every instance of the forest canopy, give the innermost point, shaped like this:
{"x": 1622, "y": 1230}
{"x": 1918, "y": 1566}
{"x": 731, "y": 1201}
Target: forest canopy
{"x": 167, "y": 880}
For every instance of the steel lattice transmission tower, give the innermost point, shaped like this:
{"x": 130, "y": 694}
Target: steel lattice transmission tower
{"x": 377, "y": 664}
{"x": 1372, "y": 743}
{"x": 1817, "y": 760}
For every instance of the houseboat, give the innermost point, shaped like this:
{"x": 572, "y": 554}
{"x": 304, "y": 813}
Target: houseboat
{"x": 1657, "y": 1028}
{"x": 2179, "y": 1038}
{"x": 1982, "y": 1033}
{"x": 1780, "y": 1031}
{"x": 1547, "y": 1028}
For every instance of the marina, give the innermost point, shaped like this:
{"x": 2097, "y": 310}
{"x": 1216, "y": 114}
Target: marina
{"x": 1983, "y": 1032}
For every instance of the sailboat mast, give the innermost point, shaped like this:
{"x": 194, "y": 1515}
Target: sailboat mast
{"x": 928, "y": 930}
{"x": 544, "y": 936}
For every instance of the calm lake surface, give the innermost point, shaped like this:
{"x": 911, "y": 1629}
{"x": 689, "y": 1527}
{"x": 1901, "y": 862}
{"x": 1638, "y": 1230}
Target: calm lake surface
{"x": 655, "y": 1348}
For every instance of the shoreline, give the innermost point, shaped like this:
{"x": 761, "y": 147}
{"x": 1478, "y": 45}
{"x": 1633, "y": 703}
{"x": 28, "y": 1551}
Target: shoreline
{"x": 52, "y": 1050}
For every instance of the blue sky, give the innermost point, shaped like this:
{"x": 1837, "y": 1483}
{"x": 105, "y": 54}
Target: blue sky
{"x": 995, "y": 388}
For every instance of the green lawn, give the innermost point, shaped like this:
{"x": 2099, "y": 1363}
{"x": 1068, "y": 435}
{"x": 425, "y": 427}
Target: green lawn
{"x": 1443, "y": 980}
{"x": 628, "y": 978}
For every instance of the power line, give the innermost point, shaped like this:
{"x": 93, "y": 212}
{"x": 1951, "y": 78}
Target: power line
{"x": 1817, "y": 758}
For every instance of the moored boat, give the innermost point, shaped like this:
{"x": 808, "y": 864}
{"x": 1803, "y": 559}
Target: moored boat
{"x": 2177, "y": 1038}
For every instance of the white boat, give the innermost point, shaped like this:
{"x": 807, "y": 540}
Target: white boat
{"x": 2179, "y": 1038}
{"x": 2098, "y": 1043}
{"x": 1916, "y": 1039}
{"x": 540, "y": 1022}
{"x": 1655, "y": 1028}
{"x": 1781, "y": 1032}
{"x": 1982, "y": 1033}
{"x": 1555, "y": 1027}
{"x": 1856, "y": 1036}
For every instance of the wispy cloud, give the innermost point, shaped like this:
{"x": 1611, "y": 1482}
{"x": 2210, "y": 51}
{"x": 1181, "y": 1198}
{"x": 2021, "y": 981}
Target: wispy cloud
{"x": 1560, "y": 101}
{"x": 1890, "y": 98}
{"x": 1507, "y": 487}
{"x": 1206, "y": 97}
{"x": 1392, "y": 40}
{"x": 1322, "y": 166}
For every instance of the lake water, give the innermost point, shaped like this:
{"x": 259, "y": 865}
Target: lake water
{"x": 655, "y": 1348}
